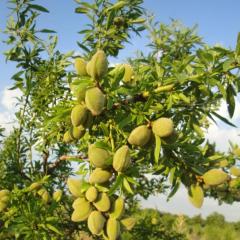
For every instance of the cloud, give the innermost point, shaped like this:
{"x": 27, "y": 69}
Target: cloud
{"x": 180, "y": 204}
{"x": 9, "y": 99}
{"x": 8, "y": 108}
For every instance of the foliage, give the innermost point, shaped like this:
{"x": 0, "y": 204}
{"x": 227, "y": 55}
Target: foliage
{"x": 181, "y": 81}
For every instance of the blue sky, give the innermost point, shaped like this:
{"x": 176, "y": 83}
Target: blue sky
{"x": 218, "y": 22}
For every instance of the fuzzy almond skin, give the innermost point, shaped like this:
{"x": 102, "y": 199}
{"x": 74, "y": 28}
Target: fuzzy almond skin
{"x": 78, "y": 132}
{"x": 129, "y": 73}
{"x": 196, "y": 196}
{"x": 96, "y": 222}
{"x": 99, "y": 176}
{"x": 74, "y": 186}
{"x": 67, "y": 137}
{"x": 140, "y": 136}
{"x": 163, "y": 127}
{"x": 98, "y": 65}
{"x": 113, "y": 229}
{"x": 91, "y": 194}
{"x": 235, "y": 171}
{"x": 57, "y": 196}
{"x": 79, "y": 115}
{"x": 80, "y": 66}
{"x": 102, "y": 203}
{"x": 95, "y": 101}
{"x": 215, "y": 177}
{"x": 121, "y": 159}
{"x": 81, "y": 211}
{"x": 118, "y": 208}
{"x": 98, "y": 156}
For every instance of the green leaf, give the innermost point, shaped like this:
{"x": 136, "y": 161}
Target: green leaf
{"x": 127, "y": 186}
{"x": 47, "y": 31}
{"x": 116, "y": 185}
{"x": 238, "y": 45}
{"x": 81, "y": 10}
{"x": 157, "y": 148}
{"x": 223, "y": 119}
{"x": 174, "y": 190}
{"x": 54, "y": 229}
{"x": 230, "y": 100}
{"x": 83, "y": 47}
{"x": 38, "y": 7}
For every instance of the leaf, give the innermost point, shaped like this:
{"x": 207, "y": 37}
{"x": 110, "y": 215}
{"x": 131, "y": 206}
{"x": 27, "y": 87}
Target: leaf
{"x": 174, "y": 190}
{"x": 102, "y": 145}
{"x": 223, "y": 119}
{"x": 198, "y": 130}
{"x": 54, "y": 229}
{"x": 81, "y": 10}
{"x": 83, "y": 47}
{"x": 38, "y": 7}
{"x": 230, "y": 100}
{"x": 157, "y": 148}
{"x": 47, "y": 31}
{"x": 127, "y": 186}
{"x": 116, "y": 185}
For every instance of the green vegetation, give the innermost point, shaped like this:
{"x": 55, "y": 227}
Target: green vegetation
{"x": 132, "y": 130}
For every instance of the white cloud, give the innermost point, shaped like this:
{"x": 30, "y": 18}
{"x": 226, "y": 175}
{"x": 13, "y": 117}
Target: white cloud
{"x": 8, "y": 108}
{"x": 9, "y": 98}
{"x": 180, "y": 204}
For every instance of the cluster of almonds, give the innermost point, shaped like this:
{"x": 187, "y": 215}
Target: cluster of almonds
{"x": 102, "y": 212}
{"x": 91, "y": 101}
{"x": 216, "y": 178}
{"x": 38, "y": 189}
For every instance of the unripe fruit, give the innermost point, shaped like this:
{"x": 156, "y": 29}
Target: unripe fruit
{"x": 78, "y": 91}
{"x": 81, "y": 211}
{"x": 98, "y": 156}
{"x": 165, "y": 88}
{"x": 235, "y": 171}
{"x": 91, "y": 194}
{"x": 57, "y": 195}
{"x": 79, "y": 115}
{"x": 43, "y": 193}
{"x": 223, "y": 163}
{"x": 118, "y": 208}
{"x": 215, "y": 177}
{"x": 4, "y": 199}
{"x": 4, "y": 193}
{"x": 234, "y": 183}
{"x": 154, "y": 221}
{"x": 79, "y": 202}
{"x": 96, "y": 222}
{"x": 162, "y": 127}
{"x": 113, "y": 229}
{"x": 34, "y": 186}
{"x": 99, "y": 176}
{"x": 121, "y": 159}
{"x": 78, "y": 132}
{"x": 80, "y": 66}
{"x": 129, "y": 73}
{"x": 102, "y": 203}
{"x": 67, "y": 137}
{"x": 196, "y": 196}
{"x": 95, "y": 100}
{"x": 3, "y": 205}
{"x": 140, "y": 136}
{"x": 74, "y": 186}
{"x": 236, "y": 151}
{"x": 129, "y": 223}
{"x": 97, "y": 67}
